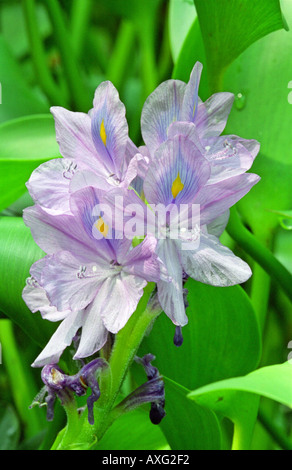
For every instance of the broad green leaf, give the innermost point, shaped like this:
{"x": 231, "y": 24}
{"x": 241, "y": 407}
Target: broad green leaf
{"x": 221, "y": 339}
{"x": 259, "y": 79}
{"x": 182, "y": 14}
{"x": 143, "y": 434}
{"x": 188, "y": 427}
{"x": 18, "y": 99}
{"x": 238, "y": 398}
{"x": 274, "y": 382}
{"x": 11, "y": 14}
{"x": 9, "y": 427}
{"x": 231, "y": 26}
{"x": 18, "y": 252}
{"x": 192, "y": 51}
{"x": 25, "y": 144}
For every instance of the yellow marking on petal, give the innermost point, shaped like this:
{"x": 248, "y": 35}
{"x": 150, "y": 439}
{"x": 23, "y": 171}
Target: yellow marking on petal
{"x": 102, "y": 133}
{"x": 177, "y": 186}
{"x": 102, "y": 227}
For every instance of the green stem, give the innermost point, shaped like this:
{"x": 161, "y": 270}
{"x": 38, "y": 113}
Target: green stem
{"x": 22, "y": 384}
{"x": 149, "y": 70}
{"x": 281, "y": 439}
{"x": 81, "y": 11}
{"x": 72, "y": 72}
{"x": 121, "y": 54}
{"x": 262, "y": 255}
{"x": 39, "y": 59}
{"x": 125, "y": 347}
{"x": 260, "y": 291}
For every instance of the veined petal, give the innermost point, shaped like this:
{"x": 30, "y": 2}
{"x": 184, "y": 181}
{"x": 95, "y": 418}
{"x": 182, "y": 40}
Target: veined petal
{"x": 212, "y": 115}
{"x": 73, "y": 133}
{"x": 217, "y": 226}
{"x": 177, "y": 173}
{"x": 191, "y": 99}
{"x": 55, "y": 233}
{"x": 143, "y": 262}
{"x": 161, "y": 108}
{"x": 62, "y": 338}
{"x": 170, "y": 294}
{"x": 36, "y": 299}
{"x": 214, "y": 264}
{"x": 121, "y": 295}
{"x": 94, "y": 334}
{"x": 109, "y": 128}
{"x": 70, "y": 284}
{"x": 215, "y": 199}
{"x": 229, "y": 156}
{"x": 49, "y": 184}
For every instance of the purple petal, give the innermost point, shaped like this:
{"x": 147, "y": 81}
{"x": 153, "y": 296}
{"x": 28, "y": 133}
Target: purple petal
{"x": 217, "y": 198}
{"x": 49, "y": 184}
{"x": 214, "y": 264}
{"x": 177, "y": 157}
{"x": 190, "y": 101}
{"x": 161, "y": 108}
{"x": 109, "y": 128}
{"x": 94, "y": 334}
{"x": 73, "y": 132}
{"x": 229, "y": 156}
{"x": 71, "y": 285}
{"x": 213, "y": 114}
{"x": 217, "y": 226}
{"x": 121, "y": 296}
{"x": 170, "y": 294}
{"x": 54, "y": 233}
{"x": 36, "y": 299}
{"x": 143, "y": 262}
{"x": 62, "y": 338}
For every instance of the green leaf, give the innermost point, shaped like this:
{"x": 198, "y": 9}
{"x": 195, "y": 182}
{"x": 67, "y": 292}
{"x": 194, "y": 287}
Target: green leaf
{"x": 182, "y": 14}
{"x": 238, "y": 398}
{"x": 18, "y": 252}
{"x": 143, "y": 436}
{"x": 221, "y": 339}
{"x": 274, "y": 382}
{"x": 259, "y": 79}
{"x": 18, "y": 99}
{"x": 11, "y": 14}
{"x": 25, "y": 144}
{"x": 192, "y": 51}
{"x": 9, "y": 428}
{"x": 188, "y": 427}
{"x": 231, "y": 26}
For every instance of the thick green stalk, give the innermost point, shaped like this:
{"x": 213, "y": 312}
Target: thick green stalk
{"x": 81, "y": 11}
{"x": 83, "y": 435}
{"x": 262, "y": 255}
{"x": 21, "y": 382}
{"x": 123, "y": 49}
{"x": 39, "y": 59}
{"x": 281, "y": 439}
{"x": 71, "y": 70}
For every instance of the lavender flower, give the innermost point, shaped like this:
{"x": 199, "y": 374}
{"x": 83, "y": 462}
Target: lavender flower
{"x": 96, "y": 150}
{"x": 94, "y": 283}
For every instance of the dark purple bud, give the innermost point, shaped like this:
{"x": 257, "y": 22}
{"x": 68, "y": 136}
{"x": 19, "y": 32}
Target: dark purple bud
{"x": 151, "y": 391}
{"x": 58, "y": 384}
{"x": 178, "y": 337}
{"x": 157, "y": 412}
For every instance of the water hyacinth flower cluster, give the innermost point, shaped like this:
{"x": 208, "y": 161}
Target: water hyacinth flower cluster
{"x": 93, "y": 274}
